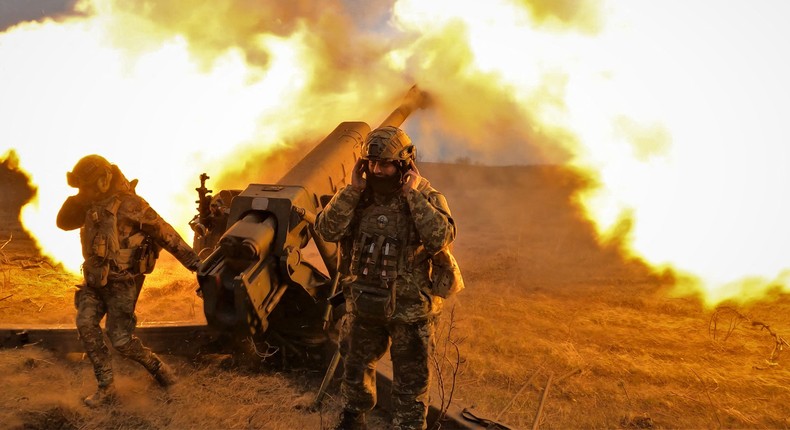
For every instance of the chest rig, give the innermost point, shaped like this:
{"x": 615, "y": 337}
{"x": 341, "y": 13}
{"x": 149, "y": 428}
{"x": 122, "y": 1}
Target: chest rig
{"x": 111, "y": 245}
{"x": 383, "y": 236}
{"x": 100, "y": 244}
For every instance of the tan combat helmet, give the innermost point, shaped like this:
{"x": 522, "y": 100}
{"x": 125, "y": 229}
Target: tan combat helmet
{"x": 388, "y": 144}
{"x": 89, "y": 169}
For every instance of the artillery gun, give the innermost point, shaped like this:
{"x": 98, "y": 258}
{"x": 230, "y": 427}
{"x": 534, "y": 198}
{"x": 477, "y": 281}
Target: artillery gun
{"x": 256, "y": 280}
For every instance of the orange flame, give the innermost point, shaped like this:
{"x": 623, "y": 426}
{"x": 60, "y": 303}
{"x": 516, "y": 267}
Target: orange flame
{"x": 676, "y": 109}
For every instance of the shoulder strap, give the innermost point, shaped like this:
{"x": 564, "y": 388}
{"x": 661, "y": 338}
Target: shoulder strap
{"x": 116, "y": 203}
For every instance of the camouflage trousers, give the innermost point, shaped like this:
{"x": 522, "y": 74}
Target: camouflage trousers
{"x": 364, "y": 343}
{"x": 117, "y": 300}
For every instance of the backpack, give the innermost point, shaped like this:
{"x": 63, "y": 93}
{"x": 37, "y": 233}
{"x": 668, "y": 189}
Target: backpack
{"x": 446, "y": 279}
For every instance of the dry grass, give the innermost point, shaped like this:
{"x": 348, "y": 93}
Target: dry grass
{"x": 44, "y": 391}
{"x": 636, "y": 363}
{"x": 543, "y": 298}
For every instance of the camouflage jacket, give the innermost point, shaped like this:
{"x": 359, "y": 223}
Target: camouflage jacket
{"x": 426, "y": 227}
{"x": 135, "y": 221}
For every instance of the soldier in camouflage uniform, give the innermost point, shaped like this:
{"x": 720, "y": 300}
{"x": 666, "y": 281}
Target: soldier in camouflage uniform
{"x": 388, "y": 221}
{"x": 121, "y": 236}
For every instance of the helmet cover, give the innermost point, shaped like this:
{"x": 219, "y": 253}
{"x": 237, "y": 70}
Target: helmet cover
{"x": 87, "y": 170}
{"x": 388, "y": 144}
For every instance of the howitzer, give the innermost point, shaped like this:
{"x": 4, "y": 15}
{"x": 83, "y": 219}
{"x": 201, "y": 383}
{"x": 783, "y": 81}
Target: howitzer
{"x": 254, "y": 278}
{"x": 212, "y": 217}
{"x": 204, "y": 199}
{"x": 256, "y": 281}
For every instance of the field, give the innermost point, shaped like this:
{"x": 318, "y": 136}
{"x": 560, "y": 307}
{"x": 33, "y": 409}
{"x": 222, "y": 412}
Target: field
{"x": 545, "y": 302}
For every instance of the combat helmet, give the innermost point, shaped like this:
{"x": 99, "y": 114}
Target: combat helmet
{"x": 87, "y": 170}
{"x": 389, "y": 144}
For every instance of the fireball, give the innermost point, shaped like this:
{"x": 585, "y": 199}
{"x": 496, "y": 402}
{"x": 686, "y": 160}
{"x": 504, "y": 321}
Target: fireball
{"x": 675, "y": 110}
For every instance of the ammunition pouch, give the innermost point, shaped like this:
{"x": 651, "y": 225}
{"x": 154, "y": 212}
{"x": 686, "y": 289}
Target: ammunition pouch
{"x": 140, "y": 257}
{"x": 146, "y": 256}
{"x": 99, "y": 245}
{"x": 100, "y": 242}
{"x": 96, "y": 272}
{"x": 372, "y": 302}
{"x": 446, "y": 279}
{"x": 375, "y": 257}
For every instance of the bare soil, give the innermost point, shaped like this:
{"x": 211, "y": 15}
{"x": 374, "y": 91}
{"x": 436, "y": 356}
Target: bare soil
{"x": 544, "y": 301}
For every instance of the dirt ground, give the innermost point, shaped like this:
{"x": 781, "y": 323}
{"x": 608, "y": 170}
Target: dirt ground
{"x": 552, "y": 325}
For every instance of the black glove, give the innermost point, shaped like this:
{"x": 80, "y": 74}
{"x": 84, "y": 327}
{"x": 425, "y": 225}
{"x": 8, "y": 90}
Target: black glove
{"x": 193, "y": 264}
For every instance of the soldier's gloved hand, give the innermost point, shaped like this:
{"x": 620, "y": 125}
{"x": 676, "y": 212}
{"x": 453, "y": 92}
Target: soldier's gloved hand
{"x": 81, "y": 197}
{"x": 193, "y": 264}
{"x": 357, "y": 179}
{"x": 412, "y": 178}
{"x": 79, "y": 202}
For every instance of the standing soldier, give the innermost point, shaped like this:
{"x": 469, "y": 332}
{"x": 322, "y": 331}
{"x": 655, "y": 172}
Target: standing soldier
{"x": 389, "y": 223}
{"x": 121, "y": 236}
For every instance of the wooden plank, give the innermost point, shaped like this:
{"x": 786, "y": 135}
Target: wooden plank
{"x": 169, "y": 338}
{"x": 191, "y": 340}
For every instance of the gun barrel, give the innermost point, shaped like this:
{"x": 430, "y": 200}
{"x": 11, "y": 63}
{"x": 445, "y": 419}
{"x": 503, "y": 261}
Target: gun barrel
{"x": 414, "y": 99}
{"x": 328, "y": 166}
{"x": 250, "y": 238}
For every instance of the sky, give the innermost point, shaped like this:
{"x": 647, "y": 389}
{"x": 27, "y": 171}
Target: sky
{"x": 14, "y": 11}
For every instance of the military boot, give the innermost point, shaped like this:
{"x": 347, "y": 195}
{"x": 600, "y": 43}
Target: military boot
{"x": 351, "y": 421}
{"x": 165, "y": 375}
{"x": 104, "y": 395}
